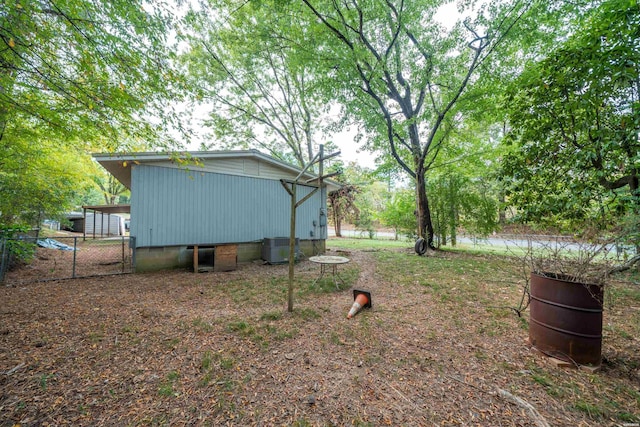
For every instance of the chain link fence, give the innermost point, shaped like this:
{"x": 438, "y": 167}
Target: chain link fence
{"x": 65, "y": 258}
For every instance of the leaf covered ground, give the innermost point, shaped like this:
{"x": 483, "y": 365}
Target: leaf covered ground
{"x": 439, "y": 346}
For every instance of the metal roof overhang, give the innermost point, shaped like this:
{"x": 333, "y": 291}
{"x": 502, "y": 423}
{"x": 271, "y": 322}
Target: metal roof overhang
{"x": 119, "y": 165}
{"x": 108, "y": 209}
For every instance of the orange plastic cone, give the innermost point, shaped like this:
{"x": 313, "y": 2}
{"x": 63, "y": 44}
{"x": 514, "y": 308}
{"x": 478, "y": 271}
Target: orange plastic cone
{"x": 362, "y": 299}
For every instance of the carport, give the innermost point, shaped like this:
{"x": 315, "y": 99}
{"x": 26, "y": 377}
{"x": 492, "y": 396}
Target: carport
{"x": 103, "y": 210}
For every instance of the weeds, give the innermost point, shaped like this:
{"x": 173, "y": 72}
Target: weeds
{"x": 202, "y": 325}
{"x": 271, "y": 316}
{"x": 593, "y": 411}
{"x": 44, "y": 380}
{"x": 166, "y": 387}
{"x": 307, "y": 314}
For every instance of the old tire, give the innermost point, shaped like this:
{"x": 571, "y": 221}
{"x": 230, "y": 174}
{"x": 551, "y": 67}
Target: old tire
{"x": 421, "y": 246}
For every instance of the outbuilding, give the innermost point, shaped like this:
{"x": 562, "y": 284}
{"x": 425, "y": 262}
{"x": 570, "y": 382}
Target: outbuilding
{"x": 230, "y": 202}
{"x": 96, "y": 223}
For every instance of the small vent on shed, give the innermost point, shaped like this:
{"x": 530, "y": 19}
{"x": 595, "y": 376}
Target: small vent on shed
{"x": 275, "y": 250}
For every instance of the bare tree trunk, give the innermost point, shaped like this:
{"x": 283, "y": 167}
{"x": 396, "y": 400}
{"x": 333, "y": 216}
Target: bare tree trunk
{"x": 502, "y": 213}
{"x": 337, "y": 222}
{"x": 425, "y": 226}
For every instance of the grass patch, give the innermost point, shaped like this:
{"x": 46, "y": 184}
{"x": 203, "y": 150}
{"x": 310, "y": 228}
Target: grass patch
{"x": 202, "y": 325}
{"x": 334, "y": 338}
{"x": 248, "y": 331}
{"x": 96, "y": 337}
{"x": 212, "y": 362}
{"x": 550, "y": 387}
{"x": 206, "y": 362}
{"x": 593, "y": 411}
{"x": 614, "y": 329}
{"x": 523, "y": 323}
{"x": 227, "y": 363}
{"x": 271, "y": 316}
{"x": 242, "y": 328}
{"x": 280, "y": 334}
{"x": 166, "y": 386}
{"x": 270, "y": 290}
{"x": 306, "y": 314}
{"x": 454, "y": 279}
{"x": 626, "y": 293}
{"x": 44, "y": 380}
{"x": 367, "y": 244}
{"x": 171, "y": 343}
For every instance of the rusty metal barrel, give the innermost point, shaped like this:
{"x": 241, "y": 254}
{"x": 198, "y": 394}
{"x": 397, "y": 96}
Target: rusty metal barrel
{"x": 565, "y": 319}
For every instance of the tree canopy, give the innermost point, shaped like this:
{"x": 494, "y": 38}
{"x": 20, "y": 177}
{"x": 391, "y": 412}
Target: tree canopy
{"x": 403, "y": 73}
{"x": 79, "y": 67}
{"x": 82, "y": 75}
{"x": 575, "y": 123}
{"x": 78, "y": 76}
{"x": 256, "y": 74}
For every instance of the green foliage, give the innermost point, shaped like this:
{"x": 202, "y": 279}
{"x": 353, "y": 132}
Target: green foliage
{"x": 262, "y": 84}
{"x": 629, "y": 230}
{"x": 20, "y": 246}
{"x": 369, "y": 202}
{"x": 401, "y": 75}
{"x": 399, "y": 213}
{"x": 38, "y": 181}
{"x": 166, "y": 388}
{"x": 113, "y": 192}
{"x": 574, "y": 153}
{"x": 84, "y": 69}
{"x": 458, "y": 201}
{"x": 77, "y": 76}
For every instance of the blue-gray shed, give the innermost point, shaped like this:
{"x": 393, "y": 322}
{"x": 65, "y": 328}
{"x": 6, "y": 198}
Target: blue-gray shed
{"x": 214, "y": 198}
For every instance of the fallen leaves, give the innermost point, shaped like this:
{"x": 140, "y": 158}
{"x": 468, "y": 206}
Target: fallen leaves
{"x": 181, "y": 348}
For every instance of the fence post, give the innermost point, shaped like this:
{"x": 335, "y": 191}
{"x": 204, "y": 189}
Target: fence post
{"x": 123, "y": 258}
{"x": 75, "y": 251}
{"x": 3, "y": 264}
{"x": 132, "y": 247}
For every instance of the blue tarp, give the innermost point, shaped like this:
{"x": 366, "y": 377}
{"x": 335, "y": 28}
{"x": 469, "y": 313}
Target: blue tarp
{"x": 53, "y": 244}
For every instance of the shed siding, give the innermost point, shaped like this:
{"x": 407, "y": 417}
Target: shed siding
{"x": 235, "y": 166}
{"x": 173, "y": 207}
{"x": 104, "y": 224}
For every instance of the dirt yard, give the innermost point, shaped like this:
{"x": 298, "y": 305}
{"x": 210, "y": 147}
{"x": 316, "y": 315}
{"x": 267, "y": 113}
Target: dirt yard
{"x": 440, "y": 346}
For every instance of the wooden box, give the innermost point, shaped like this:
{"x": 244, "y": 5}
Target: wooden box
{"x": 225, "y": 258}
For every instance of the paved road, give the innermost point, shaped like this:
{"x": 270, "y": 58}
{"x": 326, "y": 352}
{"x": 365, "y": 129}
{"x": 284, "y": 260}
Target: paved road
{"x": 509, "y": 241}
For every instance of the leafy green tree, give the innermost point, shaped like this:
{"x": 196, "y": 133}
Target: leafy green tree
{"x": 399, "y": 213}
{"x": 111, "y": 189}
{"x": 370, "y": 201}
{"x": 463, "y": 186}
{"x": 77, "y": 76}
{"x": 445, "y": 196}
{"x": 247, "y": 64}
{"x": 575, "y": 121}
{"x": 342, "y": 205}
{"x": 38, "y": 182}
{"x": 402, "y": 75}
{"x": 85, "y": 68}
{"x": 462, "y": 201}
